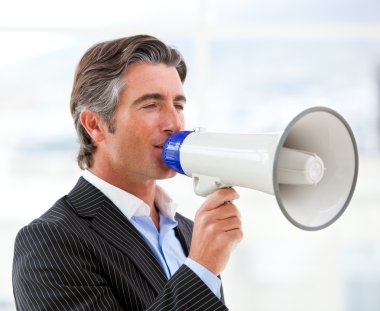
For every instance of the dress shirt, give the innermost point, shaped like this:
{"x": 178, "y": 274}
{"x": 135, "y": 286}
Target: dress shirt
{"x": 164, "y": 244}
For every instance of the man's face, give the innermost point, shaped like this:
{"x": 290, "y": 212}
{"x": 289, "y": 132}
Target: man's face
{"x": 150, "y": 109}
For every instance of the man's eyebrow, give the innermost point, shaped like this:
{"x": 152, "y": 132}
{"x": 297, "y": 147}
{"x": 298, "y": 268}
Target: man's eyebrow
{"x": 156, "y": 96}
{"x": 180, "y": 97}
{"x": 147, "y": 97}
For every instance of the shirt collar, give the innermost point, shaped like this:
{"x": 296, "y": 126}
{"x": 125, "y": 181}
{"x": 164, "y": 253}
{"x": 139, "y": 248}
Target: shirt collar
{"x": 129, "y": 204}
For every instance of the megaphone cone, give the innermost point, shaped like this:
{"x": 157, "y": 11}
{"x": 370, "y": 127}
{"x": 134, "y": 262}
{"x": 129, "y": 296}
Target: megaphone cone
{"x": 311, "y": 167}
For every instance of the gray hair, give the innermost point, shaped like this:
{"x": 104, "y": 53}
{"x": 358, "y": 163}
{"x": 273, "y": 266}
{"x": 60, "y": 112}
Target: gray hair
{"x": 98, "y": 81}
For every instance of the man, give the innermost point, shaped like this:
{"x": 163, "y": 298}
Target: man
{"x": 115, "y": 242}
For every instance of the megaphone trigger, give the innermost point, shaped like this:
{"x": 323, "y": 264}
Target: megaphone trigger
{"x": 205, "y": 185}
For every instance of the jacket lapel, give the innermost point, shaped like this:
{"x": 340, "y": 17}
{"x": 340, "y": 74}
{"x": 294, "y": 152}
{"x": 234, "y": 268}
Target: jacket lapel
{"x": 113, "y": 226}
{"x": 184, "y": 233}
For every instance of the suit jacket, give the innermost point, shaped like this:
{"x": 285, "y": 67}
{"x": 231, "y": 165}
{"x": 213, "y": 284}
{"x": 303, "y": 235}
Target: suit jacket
{"x": 84, "y": 254}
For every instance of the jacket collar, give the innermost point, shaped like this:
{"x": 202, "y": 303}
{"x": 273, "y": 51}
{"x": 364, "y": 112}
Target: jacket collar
{"x": 129, "y": 204}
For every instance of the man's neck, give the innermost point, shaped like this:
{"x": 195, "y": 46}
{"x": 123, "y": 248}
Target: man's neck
{"x": 145, "y": 190}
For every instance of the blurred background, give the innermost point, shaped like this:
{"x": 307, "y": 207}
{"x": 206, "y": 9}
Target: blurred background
{"x": 253, "y": 65}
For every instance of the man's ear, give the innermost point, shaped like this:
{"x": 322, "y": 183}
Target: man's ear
{"x": 93, "y": 124}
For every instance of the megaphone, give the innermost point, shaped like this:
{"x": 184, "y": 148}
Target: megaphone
{"x": 311, "y": 167}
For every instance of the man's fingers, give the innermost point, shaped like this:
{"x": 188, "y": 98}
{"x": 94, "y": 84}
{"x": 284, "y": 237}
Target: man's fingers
{"x": 226, "y": 211}
{"x": 217, "y": 229}
{"x": 220, "y": 197}
{"x": 229, "y": 224}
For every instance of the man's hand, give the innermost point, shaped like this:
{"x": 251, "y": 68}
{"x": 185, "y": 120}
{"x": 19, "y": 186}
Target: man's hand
{"x": 217, "y": 229}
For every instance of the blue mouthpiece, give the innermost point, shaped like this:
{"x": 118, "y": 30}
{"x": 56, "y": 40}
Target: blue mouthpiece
{"x": 171, "y": 150}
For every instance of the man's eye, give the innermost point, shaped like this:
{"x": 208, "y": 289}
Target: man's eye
{"x": 180, "y": 107}
{"x": 150, "y": 106}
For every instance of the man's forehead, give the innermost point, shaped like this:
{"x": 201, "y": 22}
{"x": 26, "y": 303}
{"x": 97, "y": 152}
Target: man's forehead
{"x": 145, "y": 81}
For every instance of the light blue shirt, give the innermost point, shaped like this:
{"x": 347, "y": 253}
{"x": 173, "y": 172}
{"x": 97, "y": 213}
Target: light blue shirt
{"x": 164, "y": 244}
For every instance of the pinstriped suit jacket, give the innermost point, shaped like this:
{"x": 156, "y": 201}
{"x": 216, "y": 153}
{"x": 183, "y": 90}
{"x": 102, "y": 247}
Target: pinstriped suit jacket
{"x": 84, "y": 254}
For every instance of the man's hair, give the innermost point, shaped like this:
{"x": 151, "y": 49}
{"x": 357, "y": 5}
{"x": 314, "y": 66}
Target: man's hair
{"x": 98, "y": 81}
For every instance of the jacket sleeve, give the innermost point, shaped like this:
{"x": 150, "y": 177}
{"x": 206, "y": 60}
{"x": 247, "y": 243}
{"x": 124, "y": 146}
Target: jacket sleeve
{"x": 186, "y": 291}
{"x": 54, "y": 269}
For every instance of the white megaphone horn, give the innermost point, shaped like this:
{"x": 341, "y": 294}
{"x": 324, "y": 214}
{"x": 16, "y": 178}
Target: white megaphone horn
{"x": 311, "y": 167}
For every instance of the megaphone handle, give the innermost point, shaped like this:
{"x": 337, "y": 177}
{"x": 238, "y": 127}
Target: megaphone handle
{"x": 205, "y": 185}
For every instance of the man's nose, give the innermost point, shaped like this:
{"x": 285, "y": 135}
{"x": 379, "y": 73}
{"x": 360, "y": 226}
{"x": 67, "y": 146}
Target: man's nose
{"x": 173, "y": 120}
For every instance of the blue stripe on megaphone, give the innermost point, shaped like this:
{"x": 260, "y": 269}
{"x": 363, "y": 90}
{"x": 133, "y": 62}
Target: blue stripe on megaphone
{"x": 171, "y": 150}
